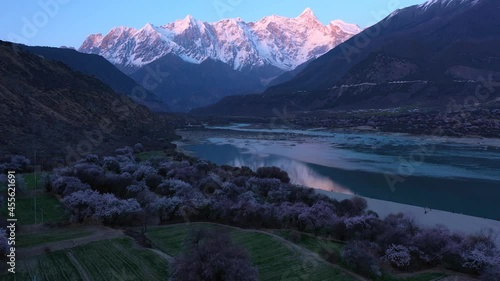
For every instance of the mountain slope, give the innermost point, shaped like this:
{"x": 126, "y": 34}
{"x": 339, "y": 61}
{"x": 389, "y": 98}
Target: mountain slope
{"x": 422, "y": 33}
{"x": 421, "y": 56}
{"x": 184, "y": 85}
{"x": 275, "y": 41}
{"x": 100, "y": 68}
{"x": 61, "y": 114}
{"x": 287, "y": 76}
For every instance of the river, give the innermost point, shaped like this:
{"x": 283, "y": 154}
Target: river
{"x": 456, "y": 175}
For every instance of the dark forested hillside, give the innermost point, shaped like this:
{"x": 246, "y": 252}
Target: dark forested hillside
{"x": 184, "y": 85}
{"x": 100, "y": 68}
{"x": 47, "y": 107}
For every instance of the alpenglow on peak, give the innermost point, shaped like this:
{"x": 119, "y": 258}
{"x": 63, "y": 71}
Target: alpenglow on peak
{"x": 275, "y": 41}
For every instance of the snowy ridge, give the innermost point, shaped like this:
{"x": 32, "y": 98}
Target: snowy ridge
{"x": 438, "y": 4}
{"x": 274, "y": 40}
{"x": 446, "y": 3}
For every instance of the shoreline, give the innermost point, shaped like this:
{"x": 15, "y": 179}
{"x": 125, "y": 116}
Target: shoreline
{"x": 444, "y": 139}
{"x": 453, "y": 221}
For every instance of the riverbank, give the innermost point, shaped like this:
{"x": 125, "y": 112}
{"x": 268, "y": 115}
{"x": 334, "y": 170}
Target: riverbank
{"x": 428, "y": 217}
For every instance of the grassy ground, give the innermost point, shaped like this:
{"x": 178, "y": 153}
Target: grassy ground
{"x": 48, "y": 209}
{"x": 33, "y": 181}
{"x": 312, "y": 243}
{"x": 40, "y": 238}
{"x": 272, "y": 257}
{"x": 109, "y": 260}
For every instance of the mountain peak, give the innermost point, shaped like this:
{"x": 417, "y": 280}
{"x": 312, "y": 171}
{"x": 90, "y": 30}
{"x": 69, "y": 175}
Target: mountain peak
{"x": 149, "y": 26}
{"x": 188, "y": 18}
{"x": 307, "y": 13}
{"x": 348, "y": 28}
{"x": 233, "y": 41}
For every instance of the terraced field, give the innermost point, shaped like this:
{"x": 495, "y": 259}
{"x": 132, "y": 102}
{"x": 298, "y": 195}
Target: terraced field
{"x": 89, "y": 254}
{"x": 274, "y": 259}
{"x": 41, "y": 238}
{"x": 108, "y": 260}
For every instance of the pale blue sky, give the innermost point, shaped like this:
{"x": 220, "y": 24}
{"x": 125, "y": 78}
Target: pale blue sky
{"x": 69, "y": 22}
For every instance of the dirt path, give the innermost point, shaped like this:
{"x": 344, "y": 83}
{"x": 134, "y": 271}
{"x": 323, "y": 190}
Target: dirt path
{"x": 162, "y": 254}
{"x": 100, "y": 233}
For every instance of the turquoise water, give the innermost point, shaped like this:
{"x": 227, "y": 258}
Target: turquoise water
{"x": 438, "y": 173}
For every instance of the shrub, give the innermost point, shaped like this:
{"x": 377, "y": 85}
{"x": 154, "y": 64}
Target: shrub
{"x": 16, "y": 163}
{"x": 203, "y": 166}
{"x": 188, "y": 174}
{"x": 170, "y": 187}
{"x": 262, "y": 186}
{"x": 68, "y": 185}
{"x": 138, "y": 148}
{"x": 111, "y": 164}
{"x": 210, "y": 184}
{"x": 431, "y": 244}
{"x": 398, "y": 229}
{"x": 89, "y": 204}
{"x": 113, "y": 183}
{"x": 128, "y": 167}
{"x": 353, "y": 207}
{"x": 87, "y": 172}
{"x": 124, "y": 151}
{"x": 360, "y": 256}
{"x": 92, "y": 158}
{"x": 153, "y": 181}
{"x": 316, "y": 218}
{"x": 479, "y": 255}
{"x": 398, "y": 256}
{"x": 361, "y": 227}
{"x": 273, "y": 173}
{"x": 208, "y": 255}
{"x": 143, "y": 171}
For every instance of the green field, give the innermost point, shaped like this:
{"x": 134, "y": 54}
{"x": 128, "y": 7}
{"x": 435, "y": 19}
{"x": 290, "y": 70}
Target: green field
{"x": 122, "y": 259}
{"x": 33, "y": 181}
{"x": 109, "y": 260}
{"x": 48, "y": 209}
{"x": 312, "y": 243}
{"x": 273, "y": 258}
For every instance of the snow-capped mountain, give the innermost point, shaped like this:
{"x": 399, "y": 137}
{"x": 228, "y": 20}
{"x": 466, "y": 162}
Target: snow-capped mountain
{"x": 447, "y": 3}
{"x": 272, "y": 41}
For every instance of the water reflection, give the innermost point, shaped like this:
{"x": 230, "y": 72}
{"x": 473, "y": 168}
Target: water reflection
{"x": 298, "y": 172}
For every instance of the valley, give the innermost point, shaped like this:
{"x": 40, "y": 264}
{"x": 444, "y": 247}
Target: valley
{"x": 250, "y": 140}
